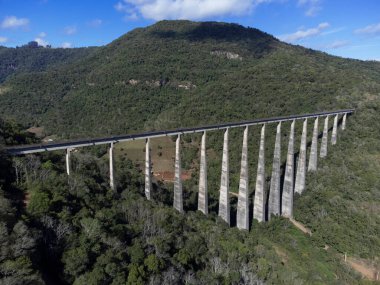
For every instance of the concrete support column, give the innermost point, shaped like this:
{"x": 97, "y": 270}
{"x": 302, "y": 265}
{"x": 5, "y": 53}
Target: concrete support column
{"x": 259, "y": 202}
{"x": 313, "y": 160}
{"x": 112, "y": 181}
{"x": 242, "y": 221}
{"x": 68, "y": 150}
{"x": 301, "y": 166}
{"x": 202, "y": 194}
{"x": 224, "y": 200}
{"x": 335, "y": 130}
{"x": 148, "y": 170}
{"x": 287, "y": 192}
{"x": 323, "y": 152}
{"x": 178, "y": 194}
{"x": 274, "y": 205}
{"x": 344, "y": 121}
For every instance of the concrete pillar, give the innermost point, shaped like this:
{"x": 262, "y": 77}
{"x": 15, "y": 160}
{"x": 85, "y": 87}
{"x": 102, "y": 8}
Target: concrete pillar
{"x": 323, "y": 152}
{"x": 68, "y": 150}
{"x": 344, "y": 121}
{"x": 112, "y": 181}
{"x": 148, "y": 170}
{"x": 260, "y": 195}
{"x": 335, "y": 130}
{"x": 224, "y": 200}
{"x": 301, "y": 165}
{"x": 242, "y": 217}
{"x": 274, "y": 205}
{"x": 178, "y": 195}
{"x": 313, "y": 160}
{"x": 202, "y": 194}
{"x": 287, "y": 192}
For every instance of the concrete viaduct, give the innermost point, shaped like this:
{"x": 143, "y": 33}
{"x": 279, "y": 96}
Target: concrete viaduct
{"x": 279, "y": 202}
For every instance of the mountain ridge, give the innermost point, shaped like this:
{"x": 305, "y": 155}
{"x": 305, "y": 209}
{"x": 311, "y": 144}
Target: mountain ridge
{"x": 142, "y": 56}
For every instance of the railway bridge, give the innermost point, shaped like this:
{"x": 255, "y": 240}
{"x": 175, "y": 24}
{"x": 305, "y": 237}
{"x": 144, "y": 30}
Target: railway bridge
{"x": 280, "y": 201}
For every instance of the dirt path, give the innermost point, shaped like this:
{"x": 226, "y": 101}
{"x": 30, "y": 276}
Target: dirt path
{"x": 362, "y": 266}
{"x": 366, "y": 270}
{"x": 301, "y": 227}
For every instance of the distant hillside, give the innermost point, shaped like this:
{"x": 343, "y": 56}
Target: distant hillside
{"x": 36, "y": 59}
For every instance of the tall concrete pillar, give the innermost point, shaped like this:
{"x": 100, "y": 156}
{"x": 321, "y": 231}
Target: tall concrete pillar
{"x": 148, "y": 170}
{"x": 274, "y": 205}
{"x": 178, "y": 194}
{"x": 112, "y": 181}
{"x": 202, "y": 194}
{"x": 335, "y": 130}
{"x": 323, "y": 152}
{"x": 242, "y": 221}
{"x": 259, "y": 201}
{"x": 224, "y": 200}
{"x": 287, "y": 192}
{"x": 344, "y": 121}
{"x": 68, "y": 161}
{"x": 301, "y": 166}
{"x": 313, "y": 160}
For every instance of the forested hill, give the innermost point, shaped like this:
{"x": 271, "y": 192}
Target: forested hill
{"x": 34, "y": 58}
{"x": 181, "y": 73}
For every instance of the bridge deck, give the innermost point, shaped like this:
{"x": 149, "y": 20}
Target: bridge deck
{"x": 36, "y": 148}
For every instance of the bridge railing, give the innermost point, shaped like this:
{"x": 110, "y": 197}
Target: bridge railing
{"x": 36, "y": 148}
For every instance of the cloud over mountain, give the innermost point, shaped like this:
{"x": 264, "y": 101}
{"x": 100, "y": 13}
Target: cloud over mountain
{"x": 186, "y": 9}
{"x": 302, "y": 34}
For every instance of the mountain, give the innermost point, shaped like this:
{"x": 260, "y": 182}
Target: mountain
{"x": 182, "y": 74}
{"x": 180, "y": 67}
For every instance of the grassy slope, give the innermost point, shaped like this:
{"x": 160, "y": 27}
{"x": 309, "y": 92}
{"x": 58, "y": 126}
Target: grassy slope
{"x": 341, "y": 203}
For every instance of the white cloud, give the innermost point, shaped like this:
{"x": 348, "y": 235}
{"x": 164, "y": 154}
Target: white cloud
{"x": 312, "y": 6}
{"x": 66, "y": 45}
{"x": 41, "y": 42}
{"x": 42, "y": 35}
{"x": 121, "y": 7}
{"x": 3, "y": 40}
{"x": 333, "y": 31}
{"x": 302, "y": 34}
{"x": 337, "y": 44}
{"x": 369, "y": 30}
{"x": 14, "y": 22}
{"x": 70, "y": 30}
{"x": 95, "y": 23}
{"x": 186, "y": 9}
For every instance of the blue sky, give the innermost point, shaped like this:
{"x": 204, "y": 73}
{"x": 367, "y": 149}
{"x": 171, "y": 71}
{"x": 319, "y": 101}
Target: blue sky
{"x": 349, "y": 28}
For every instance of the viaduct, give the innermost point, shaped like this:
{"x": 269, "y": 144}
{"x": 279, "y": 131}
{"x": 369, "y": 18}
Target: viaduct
{"x": 279, "y": 202}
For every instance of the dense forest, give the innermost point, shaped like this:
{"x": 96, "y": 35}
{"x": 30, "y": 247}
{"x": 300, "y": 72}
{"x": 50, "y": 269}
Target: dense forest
{"x": 76, "y": 230}
{"x": 34, "y": 58}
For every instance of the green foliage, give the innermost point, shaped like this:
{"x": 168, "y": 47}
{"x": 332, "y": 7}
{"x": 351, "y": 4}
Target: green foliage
{"x": 39, "y": 202}
{"x": 153, "y": 264}
{"x": 76, "y": 261}
{"x": 24, "y": 59}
